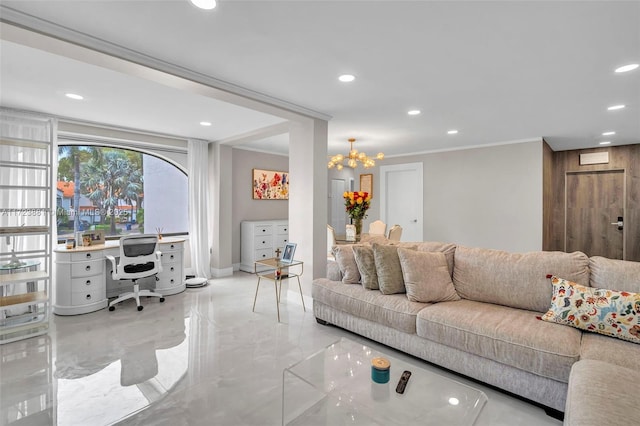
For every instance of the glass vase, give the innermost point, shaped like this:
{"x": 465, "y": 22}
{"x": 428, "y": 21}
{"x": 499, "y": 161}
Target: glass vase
{"x": 358, "y": 224}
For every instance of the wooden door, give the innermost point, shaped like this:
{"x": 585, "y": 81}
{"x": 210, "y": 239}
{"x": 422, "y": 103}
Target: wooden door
{"x": 594, "y": 202}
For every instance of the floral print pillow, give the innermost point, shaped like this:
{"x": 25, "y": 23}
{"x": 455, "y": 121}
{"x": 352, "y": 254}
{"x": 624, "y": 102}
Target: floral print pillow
{"x": 604, "y": 311}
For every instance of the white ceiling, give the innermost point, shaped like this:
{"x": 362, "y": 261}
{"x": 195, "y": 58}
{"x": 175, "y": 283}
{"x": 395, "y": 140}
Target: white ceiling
{"x": 495, "y": 71}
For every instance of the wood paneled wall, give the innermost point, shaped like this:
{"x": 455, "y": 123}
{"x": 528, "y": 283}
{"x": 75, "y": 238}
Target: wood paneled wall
{"x": 556, "y": 164}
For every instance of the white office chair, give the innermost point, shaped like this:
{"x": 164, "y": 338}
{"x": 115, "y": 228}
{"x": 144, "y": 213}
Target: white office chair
{"x": 395, "y": 233}
{"x": 139, "y": 258}
{"x": 331, "y": 241}
{"x": 377, "y": 227}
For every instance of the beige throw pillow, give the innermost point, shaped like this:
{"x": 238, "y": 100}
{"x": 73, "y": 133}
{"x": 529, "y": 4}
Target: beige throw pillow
{"x": 347, "y": 263}
{"x": 388, "y": 269}
{"x": 426, "y": 276}
{"x": 367, "y": 267}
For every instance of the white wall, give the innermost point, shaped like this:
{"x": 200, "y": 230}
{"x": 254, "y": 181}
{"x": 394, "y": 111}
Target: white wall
{"x": 244, "y": 207}
{"x": 483, "y": 197}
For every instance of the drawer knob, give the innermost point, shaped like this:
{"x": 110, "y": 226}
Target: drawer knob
{"x": 172, "y": 268}
{"x": 264, "y": 230}
{"x": 88, "y": 255}
{"x": 171, "y": 280}
{"x": 264, "y": 242}
{"x": 88, "y": 282}
{"x": 87, "y": 268}
{"x": 285, "y": 229}
{"x": 88, "y": 297}
{"x": 172, "y": 246}
{"x": 264, "y": 255}
{"x": 171, "y": 256}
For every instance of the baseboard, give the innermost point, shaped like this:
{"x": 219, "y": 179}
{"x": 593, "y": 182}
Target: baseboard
{"x": 222, "y": 272}
{"x": 236, "y": 267}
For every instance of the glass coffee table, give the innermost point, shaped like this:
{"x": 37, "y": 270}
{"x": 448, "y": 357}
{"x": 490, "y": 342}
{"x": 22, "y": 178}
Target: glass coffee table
{"x": 334, "y": 387}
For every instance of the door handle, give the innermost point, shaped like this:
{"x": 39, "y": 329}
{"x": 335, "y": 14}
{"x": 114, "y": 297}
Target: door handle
{"x": 414, "y": 221}
{"x": 619, "y": 223}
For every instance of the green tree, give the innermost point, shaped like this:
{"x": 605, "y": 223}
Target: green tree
{"x": 69, "y": 169}
{"x": 109, "y": 178}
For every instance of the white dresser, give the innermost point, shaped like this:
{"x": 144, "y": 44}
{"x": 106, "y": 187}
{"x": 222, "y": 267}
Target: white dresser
{"x": 259, "y": 239}
{"x": 83, "y": 276}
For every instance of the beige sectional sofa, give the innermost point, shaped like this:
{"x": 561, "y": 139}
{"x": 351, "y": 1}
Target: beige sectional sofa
{"x": 494, "y": 332}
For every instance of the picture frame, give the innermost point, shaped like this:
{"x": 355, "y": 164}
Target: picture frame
{"x": 270, "y": 185}
{"x": 366, "y": 184}
{"x": 289, "y": 251}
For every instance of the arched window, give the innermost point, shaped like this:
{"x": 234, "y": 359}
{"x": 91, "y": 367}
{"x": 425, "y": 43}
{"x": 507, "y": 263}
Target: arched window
{"x": 120, "y": 191}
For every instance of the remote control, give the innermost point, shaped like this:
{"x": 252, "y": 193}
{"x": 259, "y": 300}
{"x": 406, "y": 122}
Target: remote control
{"x": 402, "y": 384}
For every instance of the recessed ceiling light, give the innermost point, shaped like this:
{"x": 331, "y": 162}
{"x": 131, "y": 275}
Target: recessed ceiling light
{"x": 627, "y": 68}
{"x": 204, "y": 4}
{"x": 347, "y": 78}
{"x": 74, "y": 96}
{"x": 608, "y": 133}
{"x": 614, "y": 107}
{"x": 605, "y": 142}
{"x": 205, "y": 123}
{"x": 452, "y": 132}
{"x": 413, "y": 112}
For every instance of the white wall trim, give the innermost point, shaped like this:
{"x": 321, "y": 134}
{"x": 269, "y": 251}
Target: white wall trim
{"x": 463, "y": 148}
{"x": 221, "y": 272}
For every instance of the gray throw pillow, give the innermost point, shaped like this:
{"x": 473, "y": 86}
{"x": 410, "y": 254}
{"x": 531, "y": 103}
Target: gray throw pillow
{"x": 347, "y": 263}
{"x": 367, "y": 267}
{"x": 388, "y": 269}
{"x": 426, "y": 276}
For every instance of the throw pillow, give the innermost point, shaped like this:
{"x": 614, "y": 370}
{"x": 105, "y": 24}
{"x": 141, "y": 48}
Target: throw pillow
{"x": 388, "y": 268}
{"x": 347, "y": 263}
{"x": 366, "y": 267}
{"x": 604, "y": 311}
{"x": 426, "y": 276}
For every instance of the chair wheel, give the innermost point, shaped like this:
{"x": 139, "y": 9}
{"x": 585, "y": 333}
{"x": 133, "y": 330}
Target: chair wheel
{"x": 112, "y": 308}
{"x": 161, "y": 299}
{"x": 140, "y": 307}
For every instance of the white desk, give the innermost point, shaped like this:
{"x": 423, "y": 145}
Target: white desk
{"x": 83, "y": 276}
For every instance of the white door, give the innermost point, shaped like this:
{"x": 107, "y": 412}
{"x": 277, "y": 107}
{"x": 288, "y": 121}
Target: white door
{"x": 338, "y": 217}
{"x": 401, "y": 199}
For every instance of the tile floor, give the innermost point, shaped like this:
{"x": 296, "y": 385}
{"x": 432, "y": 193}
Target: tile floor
{"x": 201, "y": 358}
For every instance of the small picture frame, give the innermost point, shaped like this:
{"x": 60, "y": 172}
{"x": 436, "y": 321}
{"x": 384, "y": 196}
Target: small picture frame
{"x": 289, "y": 251}
{"x": 350, "y": 233}
{"x": 366, "y": 184}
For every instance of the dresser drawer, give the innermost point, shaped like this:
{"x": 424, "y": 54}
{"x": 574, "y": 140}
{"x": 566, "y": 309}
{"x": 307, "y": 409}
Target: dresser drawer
{"x": 263, "y": 242}
{"x": 167, "y": 247}
{"x": 87, "y": 255}
{"x": 281, "y": 241}
{"x": 283, "y": 229}
{"x": 170, "y": 257}
{"x": 89, "y": 296}
{"x": 265, "y": 254}
{"x": 89, "y": 283}
{"x": 263, "y": 230}
{"x": 85, "y": 269}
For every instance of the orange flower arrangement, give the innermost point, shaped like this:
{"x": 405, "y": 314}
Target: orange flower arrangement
{"x": 356, "y": 204}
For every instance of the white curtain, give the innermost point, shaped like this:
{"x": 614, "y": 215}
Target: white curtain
{"x": 199, "y": 237}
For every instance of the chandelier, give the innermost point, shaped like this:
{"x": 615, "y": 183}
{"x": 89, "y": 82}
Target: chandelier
{"x": 353, "y": 158}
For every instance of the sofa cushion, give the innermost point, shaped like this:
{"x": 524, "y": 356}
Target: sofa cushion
{"x": 604, "y": 311}
{"x": 347, "y": 263}
{"x": 333, "y": 270}
{"x": 366, "y": 266}
{"x": 426, "y": 276}
{"x": 614, "y": 351}
{"x": 448, "y": 249}
{"x": 394, "y": 311}
{"x": 513, "y": 279}
{"x": 614, "y": 274}
{"x": 388, "y": 269}
{"x": 514, "y": 337}
{"x": 602, "y": 394}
